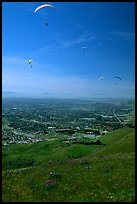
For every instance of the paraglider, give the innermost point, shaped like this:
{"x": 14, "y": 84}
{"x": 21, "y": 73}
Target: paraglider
{"x": 100, "y": 78}
{"x": 117, "y": 77}
{"x": 43, "y": 6}
{"x": 84, "y": 47}
{"x": 30, "y": 61}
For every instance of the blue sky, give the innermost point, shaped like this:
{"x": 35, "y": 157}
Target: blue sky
{"x": 60, "y": 67}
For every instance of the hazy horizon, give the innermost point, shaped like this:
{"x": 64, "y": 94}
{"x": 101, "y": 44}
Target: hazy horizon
{"x": 40, "y": 96}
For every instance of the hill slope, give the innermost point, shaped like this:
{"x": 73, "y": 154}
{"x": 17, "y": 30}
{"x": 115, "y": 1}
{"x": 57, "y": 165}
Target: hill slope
{"x": 54, "y": 171}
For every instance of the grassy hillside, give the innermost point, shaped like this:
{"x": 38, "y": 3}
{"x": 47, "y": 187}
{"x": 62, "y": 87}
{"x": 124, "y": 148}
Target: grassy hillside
{"x": 55, "y": 171}
{"x": 119, "y": 141}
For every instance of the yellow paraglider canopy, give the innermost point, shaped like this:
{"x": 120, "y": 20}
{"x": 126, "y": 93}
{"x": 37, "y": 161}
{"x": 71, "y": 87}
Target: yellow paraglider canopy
{"x": 29, "y": 61}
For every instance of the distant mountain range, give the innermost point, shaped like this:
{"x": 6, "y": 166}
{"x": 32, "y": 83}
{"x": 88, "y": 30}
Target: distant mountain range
{"x": 19, "y": 94}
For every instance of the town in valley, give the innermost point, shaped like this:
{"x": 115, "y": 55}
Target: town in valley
{"x": 27, "y": 120}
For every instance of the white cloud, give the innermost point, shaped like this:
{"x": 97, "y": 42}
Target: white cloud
{"x": 81, "y": 39}
{"x": 121, "y": 35}
{"x": 60, "y": 44}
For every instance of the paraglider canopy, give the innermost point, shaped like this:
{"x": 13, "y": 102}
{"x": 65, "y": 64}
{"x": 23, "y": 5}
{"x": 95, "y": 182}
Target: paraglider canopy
{"x": 29, "y": 61}
{"x": 83, "y": 47}
{"x": 101, "y": 77}
{"x": 43, "y": 6}
{"x": 117, "y": 77}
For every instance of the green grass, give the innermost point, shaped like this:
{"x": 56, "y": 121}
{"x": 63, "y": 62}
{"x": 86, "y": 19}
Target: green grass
{"x": 40, "y": 153}
{"x": 119, "y": 141}
{"x": 54, "y": 171}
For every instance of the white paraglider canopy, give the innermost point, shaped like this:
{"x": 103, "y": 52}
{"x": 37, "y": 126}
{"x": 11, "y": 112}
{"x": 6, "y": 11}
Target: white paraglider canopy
{"x": 43, "y": 6}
